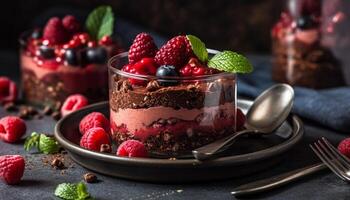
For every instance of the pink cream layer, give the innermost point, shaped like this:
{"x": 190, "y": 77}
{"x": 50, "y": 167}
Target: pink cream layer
{"x": 75, "y": 79}
{"x": 135, "y": 120}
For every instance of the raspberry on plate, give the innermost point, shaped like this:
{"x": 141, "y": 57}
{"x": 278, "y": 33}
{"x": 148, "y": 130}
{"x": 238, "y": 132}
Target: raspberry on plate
{"x": 71, "y": 24}
{"x": 94, "y": 138}
{"x": 132, "y": 148}
{"x": 93, "y": 120}
{"x": 73, "y": 103}
{"x": 55, "y": 32}
{"x": 142, "y": 47}
{"x": 344, "y": 147}
{"x": 11, "y": 168}
{"x": 12, "y": 129}
{"x": 8, "y": 90}
{"x": 174, "y": 52}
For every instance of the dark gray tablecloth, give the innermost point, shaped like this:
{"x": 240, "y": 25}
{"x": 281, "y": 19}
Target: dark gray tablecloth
{"x": 40, "y": 180}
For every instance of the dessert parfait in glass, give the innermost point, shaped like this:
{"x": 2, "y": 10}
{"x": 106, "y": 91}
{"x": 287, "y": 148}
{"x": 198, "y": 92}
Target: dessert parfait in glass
{"x": 64, "y": 58}
{"x": 310, "y": 44}
{"x": 169, "y": 99}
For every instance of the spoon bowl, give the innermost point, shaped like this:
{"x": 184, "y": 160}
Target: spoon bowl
{"x": 269, "y": 110}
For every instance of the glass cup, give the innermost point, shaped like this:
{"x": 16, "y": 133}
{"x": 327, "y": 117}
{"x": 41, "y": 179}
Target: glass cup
{"x": 311, "y": 41}
{"x": 48, "y": 77}
{"x": 170, "y": 115}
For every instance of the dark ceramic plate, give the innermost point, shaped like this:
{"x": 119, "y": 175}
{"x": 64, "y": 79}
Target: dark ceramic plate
{"x": 248, "y": 155}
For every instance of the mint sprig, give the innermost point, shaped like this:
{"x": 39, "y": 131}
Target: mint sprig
{"x": 44, "y": 144}
{"x": 198, "y": 48}
{"x": 230, "y": 61}
{"x": 72, "y": 191}
{"x": 100, "y": 22}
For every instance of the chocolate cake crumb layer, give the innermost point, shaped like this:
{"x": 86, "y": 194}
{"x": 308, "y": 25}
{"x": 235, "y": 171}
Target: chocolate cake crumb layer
{"x": 52, "y": 92}
{"x": 168, "y": 144}
{"x": 185, "y": 95}
{"x": 305, "y": 65}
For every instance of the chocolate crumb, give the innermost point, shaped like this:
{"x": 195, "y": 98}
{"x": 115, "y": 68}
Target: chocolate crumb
{"x": 47, "y": 110}
{"x": 152, "y": 86}
{"x": 10, "y": 107}
{"x": 126, "y": 86}
{"x": 56, "y": 115}
{"x": 105, "y": 148}
{"x": 31, "y": 110}
{"x": 23, "y": 113}
{"x": 90, "y": 178}
{"x": 57, "y": 163}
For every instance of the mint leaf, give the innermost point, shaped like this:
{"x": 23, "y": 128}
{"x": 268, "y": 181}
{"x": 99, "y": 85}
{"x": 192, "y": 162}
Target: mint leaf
{"x": 198, "y": 48}
{"x": 100, "y": 22}
{"x": 32, "y": 141}
{"x": 67, "y": 191}
{"x": 82, "y": 191}
{"x": 72, "y": 191}
{"x": 48, "y": 145}
{"x": 229, "y": 61}
{"x": 44, "y": 144}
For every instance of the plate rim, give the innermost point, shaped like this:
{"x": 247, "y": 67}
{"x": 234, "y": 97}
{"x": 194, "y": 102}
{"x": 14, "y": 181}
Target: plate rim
{"x": 298, "y": 132}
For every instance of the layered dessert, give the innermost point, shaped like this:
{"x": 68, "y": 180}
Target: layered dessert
{"x": 64, "y": 58}
{"x": 169, "y": 99}
{"x": 308, "y": 41}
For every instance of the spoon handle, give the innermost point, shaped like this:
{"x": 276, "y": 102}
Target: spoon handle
{"x": 208, "y": 151}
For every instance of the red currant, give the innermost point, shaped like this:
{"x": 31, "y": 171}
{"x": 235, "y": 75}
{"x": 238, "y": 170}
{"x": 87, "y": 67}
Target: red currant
{"x": 106, "y": 40}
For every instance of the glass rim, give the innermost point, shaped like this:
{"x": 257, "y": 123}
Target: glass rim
{"x": 165, "y": 78}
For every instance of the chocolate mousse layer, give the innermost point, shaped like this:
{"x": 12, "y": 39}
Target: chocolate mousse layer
{"x": 188, "y": 95}
{"x": 309, "y": 65}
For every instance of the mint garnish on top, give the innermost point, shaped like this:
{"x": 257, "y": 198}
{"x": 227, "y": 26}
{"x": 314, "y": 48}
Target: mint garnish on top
{"x": 198, "y": 48}
{"x": 100, "y": 22}
{"x": 230, "y": 61}
{"x": 227, "y": 61}
{"x": 72, "y": 191}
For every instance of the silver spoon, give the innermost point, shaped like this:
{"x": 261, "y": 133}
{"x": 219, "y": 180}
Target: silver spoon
{"x": 268, "y": 112}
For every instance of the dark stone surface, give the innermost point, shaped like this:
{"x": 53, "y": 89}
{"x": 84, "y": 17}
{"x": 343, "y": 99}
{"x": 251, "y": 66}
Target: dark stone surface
{"x": 40, "y": 181}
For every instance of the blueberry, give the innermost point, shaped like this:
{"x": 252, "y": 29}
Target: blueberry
{"x": 96, "y": 55}
{"x": 46, "y": 52}
{"x": 306, "y": 22}
{"x": 72, "y": 57}
{"x": 167, "y": 70}
{"x": 36, "y": 34}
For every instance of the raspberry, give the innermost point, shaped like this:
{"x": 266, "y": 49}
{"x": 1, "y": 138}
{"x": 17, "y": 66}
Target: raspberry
{"x": 54, "y": 31}
{"x": 73, "y": 103}
{"x": 71, "y": 24}
{"x": 8, "y": 90}
{"x": 142, "y": 47}
{"x": 12, "y": 168}
{"x": 146, "y": 66}
{"x": 132, "y": 148}
{"x": 93, "y": 120}
{"x": 189, "y": 52}
{"x": 240, "y": 119}
{"x": 12, "y": 129}
{"x": 94, "y": 138}
{"x": 174, "y": 52}
{"x": 344, "y": 147}
{"x": 195, "y": 68}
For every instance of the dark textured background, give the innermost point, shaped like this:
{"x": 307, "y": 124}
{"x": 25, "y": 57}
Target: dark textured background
{"x": 223, "y": 24}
